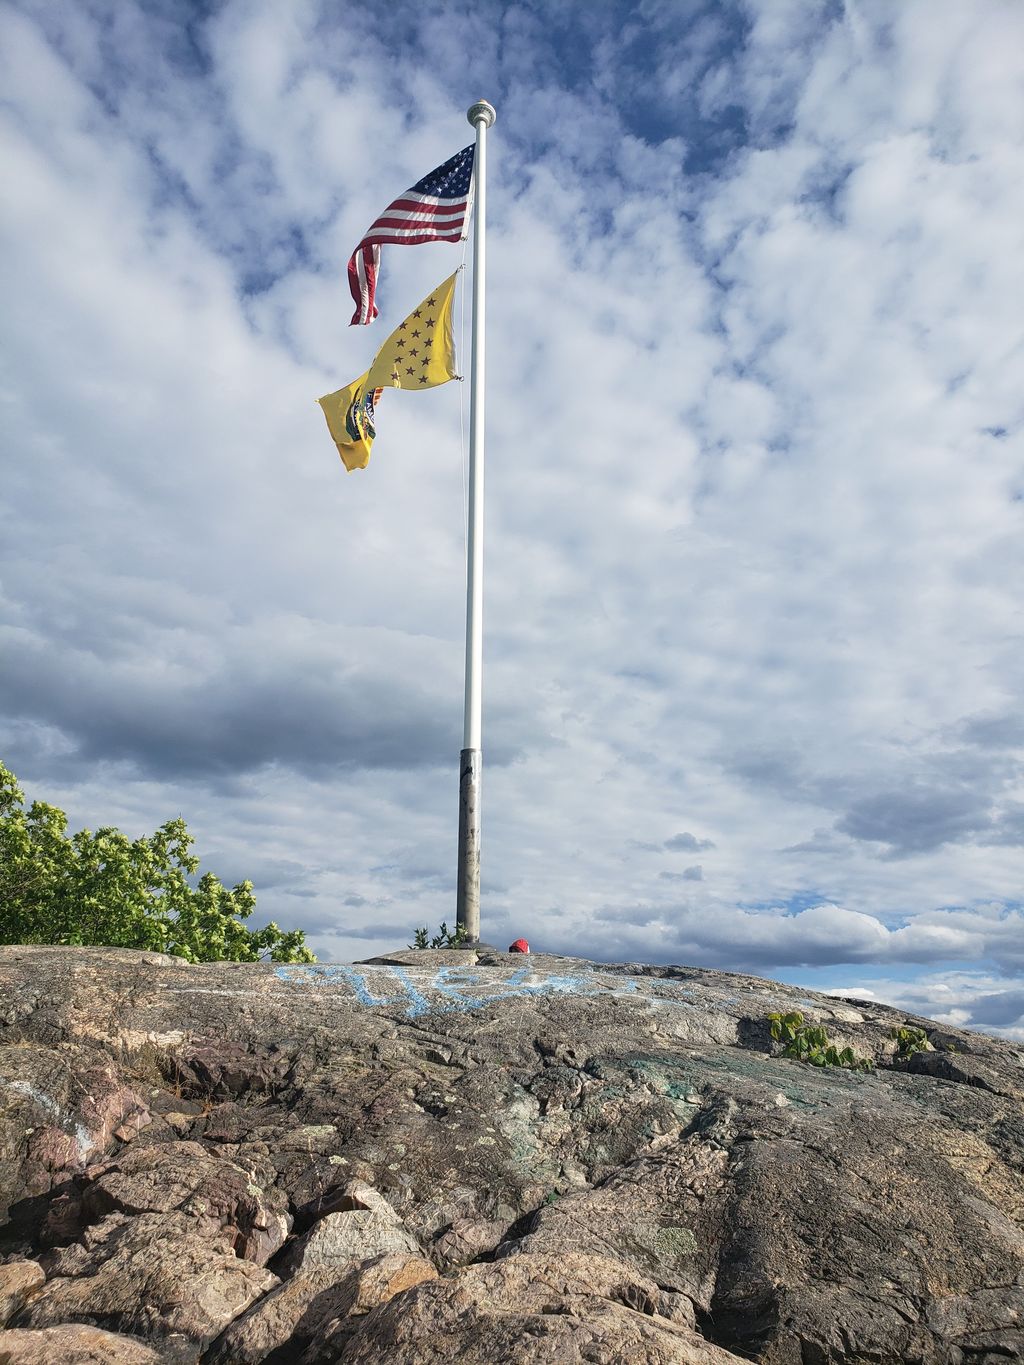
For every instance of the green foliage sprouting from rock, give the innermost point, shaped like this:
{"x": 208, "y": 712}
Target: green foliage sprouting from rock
{"x": 444, "y": 938}
{"x": 104, "y": 889}
{"x": 810, "y": 1043}
{"x": 909, "y": 1040}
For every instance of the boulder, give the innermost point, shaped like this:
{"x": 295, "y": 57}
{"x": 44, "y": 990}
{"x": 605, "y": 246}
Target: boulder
{"x": 532, "y": 1308}
{"x": 187, "y": 1178}
{"x": 19, "y": 1280}
{"x": 465, "y": 1240}
{"x": 65, "y": 1103}
{"x": 365, "y": 1226}
{"x": 149, "y": 1275}
{"x": 74, "y": 1344}
{"x": 316, "y": 1310}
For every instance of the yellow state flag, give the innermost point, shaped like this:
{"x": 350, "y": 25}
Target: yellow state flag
{"x": 420, "y": 354}
{"x": 350, "y": 420}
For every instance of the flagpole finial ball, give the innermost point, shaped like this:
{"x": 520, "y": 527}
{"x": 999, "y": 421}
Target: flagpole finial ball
{"x": 481, "y": 112}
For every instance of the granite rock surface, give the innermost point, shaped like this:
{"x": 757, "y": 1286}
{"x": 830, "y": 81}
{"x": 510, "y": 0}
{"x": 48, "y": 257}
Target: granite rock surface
{"x": 446, "y": 1155}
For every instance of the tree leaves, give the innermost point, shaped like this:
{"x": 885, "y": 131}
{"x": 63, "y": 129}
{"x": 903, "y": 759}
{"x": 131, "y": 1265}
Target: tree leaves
{"x": 104, "y": 889}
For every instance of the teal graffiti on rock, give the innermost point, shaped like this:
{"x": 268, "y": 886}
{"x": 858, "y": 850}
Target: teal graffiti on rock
{"x": 454, "y": 989}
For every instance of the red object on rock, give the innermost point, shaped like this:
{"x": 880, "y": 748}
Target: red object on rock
{"x": 520, "y": 946}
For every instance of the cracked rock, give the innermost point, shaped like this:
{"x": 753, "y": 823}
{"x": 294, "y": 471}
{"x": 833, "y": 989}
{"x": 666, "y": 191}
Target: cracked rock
{"x": 450, "y": 1156}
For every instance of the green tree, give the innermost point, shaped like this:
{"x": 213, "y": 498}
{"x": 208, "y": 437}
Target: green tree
{"x": 105, "y": 889}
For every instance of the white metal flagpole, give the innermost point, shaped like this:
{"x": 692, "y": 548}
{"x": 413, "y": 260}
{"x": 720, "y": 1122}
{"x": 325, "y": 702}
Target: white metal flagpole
{"x": 481, "y": 115}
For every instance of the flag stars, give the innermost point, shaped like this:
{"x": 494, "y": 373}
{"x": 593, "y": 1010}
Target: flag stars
{"x": 423, "y": 378}
{"x": 416, "y": 334}
{"x": 415, "y": 351}
{"x": 430, "y": 304}
{"x": 401, "y": 342}
{"x": 409, "y": 370}
{"x": 430, "y": 322}
{"x": 417, "y": 314}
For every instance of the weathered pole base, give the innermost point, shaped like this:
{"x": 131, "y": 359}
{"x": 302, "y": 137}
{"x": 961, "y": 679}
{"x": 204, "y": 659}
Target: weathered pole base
{"x": 467, "y": 906}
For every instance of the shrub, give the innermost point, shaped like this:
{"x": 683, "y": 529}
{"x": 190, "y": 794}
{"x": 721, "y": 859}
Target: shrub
{"x": 104, "y": 889}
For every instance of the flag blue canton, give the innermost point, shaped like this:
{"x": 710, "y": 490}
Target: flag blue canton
{"x": 450, "y": 181}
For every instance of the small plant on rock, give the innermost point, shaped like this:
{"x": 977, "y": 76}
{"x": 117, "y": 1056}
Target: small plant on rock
{"x": 444, "y": 938}
{"x": 810, "y": 1043}
{"x": 909, "y": 1040}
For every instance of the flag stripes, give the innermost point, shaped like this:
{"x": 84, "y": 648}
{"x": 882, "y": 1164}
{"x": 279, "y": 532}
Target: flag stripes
{"x": 435, "y": 209}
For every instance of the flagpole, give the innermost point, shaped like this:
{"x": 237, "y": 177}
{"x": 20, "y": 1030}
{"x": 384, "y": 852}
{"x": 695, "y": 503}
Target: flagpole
{"x": 481, "y": 115}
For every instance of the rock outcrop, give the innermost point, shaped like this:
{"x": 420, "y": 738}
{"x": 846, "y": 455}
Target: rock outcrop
{"x": 449, "y": 1156}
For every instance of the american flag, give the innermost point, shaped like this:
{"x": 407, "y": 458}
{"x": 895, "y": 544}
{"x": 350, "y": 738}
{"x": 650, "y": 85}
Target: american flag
{"x": 436, "y": 209}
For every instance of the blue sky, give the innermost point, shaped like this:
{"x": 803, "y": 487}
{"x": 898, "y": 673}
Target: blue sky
{"x": 754, "y": 491}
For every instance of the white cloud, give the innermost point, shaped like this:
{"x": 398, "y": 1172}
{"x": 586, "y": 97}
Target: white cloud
{"x": 965, "y": 999}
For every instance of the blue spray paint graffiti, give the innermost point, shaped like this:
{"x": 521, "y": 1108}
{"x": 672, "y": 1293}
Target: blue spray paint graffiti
{"x": 453, "y": 988}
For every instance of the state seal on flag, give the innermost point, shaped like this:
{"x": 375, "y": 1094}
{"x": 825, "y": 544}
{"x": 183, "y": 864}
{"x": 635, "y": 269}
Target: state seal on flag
{"x": 359, "y": 418}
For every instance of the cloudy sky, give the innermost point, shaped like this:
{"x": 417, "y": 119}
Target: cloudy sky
{"x": 755, "y": 489}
